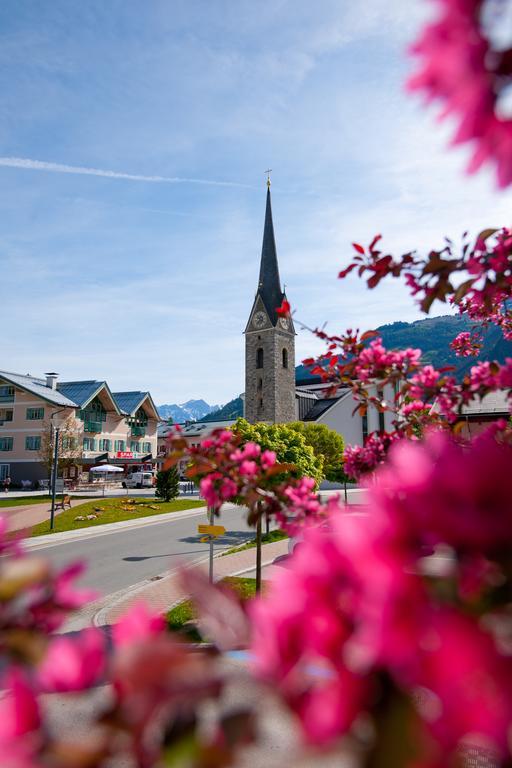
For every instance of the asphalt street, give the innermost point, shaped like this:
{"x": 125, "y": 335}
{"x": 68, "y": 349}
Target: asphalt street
{"x": 119, "y": 559}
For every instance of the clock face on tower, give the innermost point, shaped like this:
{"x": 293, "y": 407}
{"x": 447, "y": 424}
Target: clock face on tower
{"x": 259, "y": 320}
{"x": 284, "y": 323}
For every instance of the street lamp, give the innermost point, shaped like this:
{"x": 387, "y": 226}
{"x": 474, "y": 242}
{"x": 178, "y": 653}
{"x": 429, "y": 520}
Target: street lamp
{"x": 55, "y": 433}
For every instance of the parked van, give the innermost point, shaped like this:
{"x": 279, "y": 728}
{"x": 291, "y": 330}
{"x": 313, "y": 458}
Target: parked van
{"x": 139, "y": 480}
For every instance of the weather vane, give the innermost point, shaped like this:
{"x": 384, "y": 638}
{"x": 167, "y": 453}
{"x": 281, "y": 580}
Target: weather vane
{"x": 268, "y": 172}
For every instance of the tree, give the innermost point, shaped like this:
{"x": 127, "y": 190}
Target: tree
{"x": 289, "y": 445}
{"x": 70, "y": 449}
{"x": 327, "y": 445}
{"x": 167, "y": 484}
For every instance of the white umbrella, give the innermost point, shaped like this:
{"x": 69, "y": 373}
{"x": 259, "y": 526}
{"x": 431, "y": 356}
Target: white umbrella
{"x": 106, "y": 468}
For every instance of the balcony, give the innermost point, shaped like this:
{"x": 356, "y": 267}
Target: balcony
{"x": 92, "y": 426}
{"x": 138, "y": 431}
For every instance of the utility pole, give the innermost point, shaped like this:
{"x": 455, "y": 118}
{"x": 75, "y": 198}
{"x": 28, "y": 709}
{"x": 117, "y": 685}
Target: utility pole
{"x": 54, "y": 473}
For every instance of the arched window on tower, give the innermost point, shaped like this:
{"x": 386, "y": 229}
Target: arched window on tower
{"x": 285, "y": 358}
{"x": 260, "y": 383}
{"x": 259, "y": 357}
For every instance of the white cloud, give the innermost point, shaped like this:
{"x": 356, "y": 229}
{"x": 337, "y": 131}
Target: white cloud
{"x": 40, "y": 165}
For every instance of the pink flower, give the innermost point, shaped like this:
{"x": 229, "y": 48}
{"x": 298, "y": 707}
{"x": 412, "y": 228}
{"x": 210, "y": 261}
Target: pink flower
{"x": 425, "y": 379}
{"x": 465, "y": 345}
{"x": 20, "y": 722}
{"x": 248, "y": 468}
{"x": 138, "y": 623}
{"x": 228, "y": 489}
{"x": 299, "y": 631}
{"x": 73, "y": 664}
{"x": 439, "y": 491}
{"x": 268, "y": 458}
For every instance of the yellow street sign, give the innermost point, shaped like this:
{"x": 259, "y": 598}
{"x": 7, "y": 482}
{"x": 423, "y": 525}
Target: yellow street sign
{"x": 211, "y": 530}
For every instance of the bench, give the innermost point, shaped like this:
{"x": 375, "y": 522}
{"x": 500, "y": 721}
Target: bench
{"x": 66, "y": 500}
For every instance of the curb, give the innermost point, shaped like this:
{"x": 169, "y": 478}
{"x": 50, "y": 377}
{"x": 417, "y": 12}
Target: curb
{"x": 54, "y": 539}
{"x": 100, "y": 618}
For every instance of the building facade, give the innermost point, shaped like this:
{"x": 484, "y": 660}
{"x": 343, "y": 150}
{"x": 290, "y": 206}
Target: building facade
{"x": 95, "y": 424}
{"x": 269, "y": 342}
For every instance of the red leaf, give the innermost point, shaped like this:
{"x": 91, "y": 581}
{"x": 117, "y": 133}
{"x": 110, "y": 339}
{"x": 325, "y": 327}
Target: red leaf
{"x": 284, "y": 309}
{"x": 359, "y": 248}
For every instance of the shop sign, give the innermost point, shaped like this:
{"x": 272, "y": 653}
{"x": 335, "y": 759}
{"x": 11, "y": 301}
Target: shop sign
{"x": 124, "y": 455}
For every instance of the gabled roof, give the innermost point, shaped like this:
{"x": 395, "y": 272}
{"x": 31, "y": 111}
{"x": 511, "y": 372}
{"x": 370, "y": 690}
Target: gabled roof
{"x": 495, "y": 403}
{"x": 130, "y": 402}
{"x": 38, "y": 387}
{"x": 81, "y": 392}
{"x": 269, "y": 284}
{"x": 320, "y": 407}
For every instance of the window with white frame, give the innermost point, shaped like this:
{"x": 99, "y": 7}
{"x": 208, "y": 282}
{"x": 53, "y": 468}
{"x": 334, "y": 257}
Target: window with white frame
{"x": 119, "y": 445}
{"x": 6, "y": 443}
{"x": 135, "y": 447}
{"x": 35, "y": 414}
{"x": 89, "y": 444}
{"x": 146, "y": 447}
{"x": 105, "y": 445}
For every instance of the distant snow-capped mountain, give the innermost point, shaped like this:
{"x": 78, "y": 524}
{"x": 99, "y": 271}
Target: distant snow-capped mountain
{"x": 192, "y": 410}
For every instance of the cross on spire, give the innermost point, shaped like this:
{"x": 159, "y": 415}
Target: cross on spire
{"x": 268, "y": 172}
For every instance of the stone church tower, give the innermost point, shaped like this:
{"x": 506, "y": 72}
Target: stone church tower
{"x": 269, "y": 342}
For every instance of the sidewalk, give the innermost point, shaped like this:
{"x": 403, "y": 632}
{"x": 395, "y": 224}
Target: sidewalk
{"x": 163, "y": 592}
{"x": 26, "y": 516}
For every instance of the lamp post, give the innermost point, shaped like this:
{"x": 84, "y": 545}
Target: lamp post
{"x": 54, "y": 474}
{"x": 55, "y": 467}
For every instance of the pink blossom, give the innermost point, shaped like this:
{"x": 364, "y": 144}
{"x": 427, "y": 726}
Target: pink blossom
{"x": 269, "y": 458}
{"x": 73, "y": 663}
{"x": 425, "y": 379}
{"x": 228, "y": 488}
{"x": 443, "y": 492}
{"x": 248, "y": 468}
{"x": 482, "y": 375}
{"x": 302, "y": 625}
{"x": 137, "y": 624}
{"x": 20, "y": 722}
{"x": 461, "y": 667}
{"x": 464, "y": 345}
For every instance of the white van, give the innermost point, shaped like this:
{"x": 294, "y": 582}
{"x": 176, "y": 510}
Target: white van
{"x": 139, "y": 480}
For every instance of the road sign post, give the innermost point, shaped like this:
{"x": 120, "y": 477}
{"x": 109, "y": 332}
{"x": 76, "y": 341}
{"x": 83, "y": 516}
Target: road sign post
{"x": 210, "y": 532}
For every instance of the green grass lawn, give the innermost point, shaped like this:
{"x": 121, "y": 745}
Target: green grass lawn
{"x": 267, "y": 538}
{"x": 23, "y": 501}
{"x": 184, "y": 612}
{"x": 111, "y": 511}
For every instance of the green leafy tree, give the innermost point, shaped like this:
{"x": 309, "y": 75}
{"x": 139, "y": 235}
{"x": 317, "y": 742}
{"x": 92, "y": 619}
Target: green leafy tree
{"x": 327, "y": 445}
{"x": 289, "y": 445}
{"x": 167, "y": 484}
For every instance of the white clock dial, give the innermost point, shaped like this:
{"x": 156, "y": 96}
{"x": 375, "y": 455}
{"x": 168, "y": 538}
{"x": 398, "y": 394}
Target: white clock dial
{"x": 284, "y": 322}
{"x": 259, "y": 319}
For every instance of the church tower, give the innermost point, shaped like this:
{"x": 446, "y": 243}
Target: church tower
{"x": 269, "y": 342}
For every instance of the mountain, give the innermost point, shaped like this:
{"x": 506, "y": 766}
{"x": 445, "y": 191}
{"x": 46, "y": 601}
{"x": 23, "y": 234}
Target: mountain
{"x": 231, "y": 410}
{"x": 192, "y": 410}
{"x": 433, "y": 336}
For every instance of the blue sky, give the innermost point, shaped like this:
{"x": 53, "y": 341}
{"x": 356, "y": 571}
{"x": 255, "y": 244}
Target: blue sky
{"x": 147, "y": 282}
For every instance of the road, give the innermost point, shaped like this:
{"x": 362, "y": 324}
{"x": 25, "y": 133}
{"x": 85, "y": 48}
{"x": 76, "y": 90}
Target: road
{"x": 122, "y": 558}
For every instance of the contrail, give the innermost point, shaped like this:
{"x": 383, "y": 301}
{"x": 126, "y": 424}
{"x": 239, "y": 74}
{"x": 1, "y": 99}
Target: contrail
{"x": 39, "y": 165}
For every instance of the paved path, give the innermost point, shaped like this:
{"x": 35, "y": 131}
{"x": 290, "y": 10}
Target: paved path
{"x": 22, "y": 517}
{"x": 164, "y": 592}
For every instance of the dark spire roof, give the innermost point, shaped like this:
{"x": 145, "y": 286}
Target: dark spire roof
{"x": 269, "y": 285}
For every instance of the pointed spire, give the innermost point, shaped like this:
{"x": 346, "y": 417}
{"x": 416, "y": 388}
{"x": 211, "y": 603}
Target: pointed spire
{"x": 269, "y": 285}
